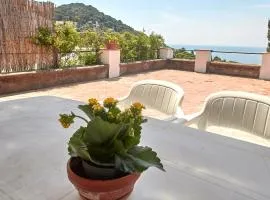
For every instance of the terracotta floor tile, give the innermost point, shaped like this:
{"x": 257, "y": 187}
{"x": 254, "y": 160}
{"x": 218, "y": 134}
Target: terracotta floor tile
{"x": 196, "y": 86}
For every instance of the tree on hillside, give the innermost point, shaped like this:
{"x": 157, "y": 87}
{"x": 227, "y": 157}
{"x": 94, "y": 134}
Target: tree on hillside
{"x": 88, "y": 16}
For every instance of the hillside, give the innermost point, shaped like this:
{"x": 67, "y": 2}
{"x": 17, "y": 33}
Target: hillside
{"x": 88, "y": 16}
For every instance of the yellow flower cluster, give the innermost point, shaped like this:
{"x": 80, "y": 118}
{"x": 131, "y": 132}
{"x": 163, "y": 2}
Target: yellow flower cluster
{"x": 66, "y": 120}
{"x": 110, "y": 102}
{"x": 65, "y": 125}
{"x": 95, "y": 105}
{"x": 108, "y": 111}
{"x": 92, "y": 102}
{"x": 97, "y": 108}
{"x": 137, "y": 106}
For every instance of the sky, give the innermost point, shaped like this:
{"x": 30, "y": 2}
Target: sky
{"x": 192, "y": 22}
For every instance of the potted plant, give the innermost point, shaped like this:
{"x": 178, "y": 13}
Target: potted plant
{"x": 106, "y": 159}
{"x": 111, "y": 41}
{"x": 111, "y": 44}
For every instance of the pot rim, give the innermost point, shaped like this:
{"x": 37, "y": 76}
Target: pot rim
{"x": 100, "y": 185}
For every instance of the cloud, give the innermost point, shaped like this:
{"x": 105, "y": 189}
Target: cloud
{"x": 262, "y": 6}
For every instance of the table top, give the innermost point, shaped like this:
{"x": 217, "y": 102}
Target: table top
{"x": 199, "y": 165}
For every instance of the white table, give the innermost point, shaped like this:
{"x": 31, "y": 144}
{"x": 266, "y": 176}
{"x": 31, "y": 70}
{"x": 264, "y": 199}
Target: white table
{"x": 199, "y": 165}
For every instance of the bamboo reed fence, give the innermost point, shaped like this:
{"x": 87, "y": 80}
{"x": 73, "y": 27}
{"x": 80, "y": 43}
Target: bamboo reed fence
{"x": 19, "y": 21}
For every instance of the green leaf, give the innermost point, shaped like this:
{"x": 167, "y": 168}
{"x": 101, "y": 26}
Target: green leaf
{"x": 78, "y": 148}
{"x": 138, "y": 159}
{"x": 76, "y": 145}
{"x": 99, "y": 131}
{"x": 86, "y": 109}
{"x": 131, "y": 141}
{"x": 101, "y": 140}
{"x": 125, "y": 164}
{"x": 118, "y": 146}
{"x": 145, "y": 156}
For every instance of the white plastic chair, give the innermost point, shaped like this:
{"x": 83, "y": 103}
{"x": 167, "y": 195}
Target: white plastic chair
{"x": 162, "y": 99}
{"x": 246, "y": 112}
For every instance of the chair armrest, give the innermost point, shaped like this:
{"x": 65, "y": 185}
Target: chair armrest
{"x": 122, "y": 98}
{"x": 192, "y": 118}
{"x": 179, "y": 113}
{"x": 187, "y": 119}
{"x": 178, "y": 117}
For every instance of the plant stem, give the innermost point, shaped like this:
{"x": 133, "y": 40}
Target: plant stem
{"x": 82, "y": 118}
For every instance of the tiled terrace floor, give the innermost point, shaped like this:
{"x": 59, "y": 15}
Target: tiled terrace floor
{"x": 196, "y": 86}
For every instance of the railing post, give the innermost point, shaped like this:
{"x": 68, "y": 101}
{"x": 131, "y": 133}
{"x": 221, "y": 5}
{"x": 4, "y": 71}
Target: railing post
{"x": 166, "y": 53}
{"x": 202, "y": 57}
{"x": 265, "y": 68}
{"x": 111, "y": 57}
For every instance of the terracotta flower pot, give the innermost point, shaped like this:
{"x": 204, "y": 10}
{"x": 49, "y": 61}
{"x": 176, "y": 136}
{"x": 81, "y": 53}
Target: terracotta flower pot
{"x": 114, "y": 189}
{"x": 112, "y": 45}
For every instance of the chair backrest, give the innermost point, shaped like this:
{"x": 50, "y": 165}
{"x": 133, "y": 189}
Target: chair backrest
{"x": 239, "y": 110}
{"x": 160, "y": 95}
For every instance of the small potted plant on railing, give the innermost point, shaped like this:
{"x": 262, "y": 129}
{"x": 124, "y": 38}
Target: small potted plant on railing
{"x": 106, "y": 159}
{"x": 111, "y": 41}
{"x": 111, "y": 44}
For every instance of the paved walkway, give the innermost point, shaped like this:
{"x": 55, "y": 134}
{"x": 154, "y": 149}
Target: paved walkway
{"x": 196, "y": 86}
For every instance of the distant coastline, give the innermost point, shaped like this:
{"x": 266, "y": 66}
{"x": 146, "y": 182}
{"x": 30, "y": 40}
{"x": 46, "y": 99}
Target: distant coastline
{"x": 241, "y": 58}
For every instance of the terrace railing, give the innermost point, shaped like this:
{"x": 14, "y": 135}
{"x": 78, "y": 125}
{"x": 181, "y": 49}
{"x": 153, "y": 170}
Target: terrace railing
{"x": 220, "y": 56}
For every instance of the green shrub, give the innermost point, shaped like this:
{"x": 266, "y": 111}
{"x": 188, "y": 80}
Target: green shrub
{"x": 69, "y": 60}
{"x": 43, "y": 37}
{"x": 183, "y": 54}
{"x": 88, "y": 58}
{"x": 66, "y": 37}
{"x": 134, "y": 46}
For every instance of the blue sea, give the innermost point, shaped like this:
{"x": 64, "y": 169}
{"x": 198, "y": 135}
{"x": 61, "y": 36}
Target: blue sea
{"x": 241, "y": 58}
